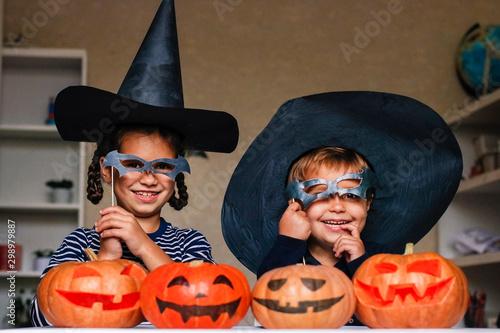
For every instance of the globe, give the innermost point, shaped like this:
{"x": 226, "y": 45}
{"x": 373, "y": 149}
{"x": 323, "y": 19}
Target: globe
{"x": 472, "y": 57}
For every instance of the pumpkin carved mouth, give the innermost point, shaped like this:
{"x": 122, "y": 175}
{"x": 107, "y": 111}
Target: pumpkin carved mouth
{"x": 188, "y": 311}
{"x": 404, "y": 293}
{"x": 87, "y": 300}
{"x": 302, "y": 307}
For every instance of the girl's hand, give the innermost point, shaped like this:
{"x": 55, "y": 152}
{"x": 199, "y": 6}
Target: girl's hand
{"x": 111, "y": 248}
{"x": 351, "y": 246}
{"x": 117, "y": 224}
{"x": 294, "y": 222}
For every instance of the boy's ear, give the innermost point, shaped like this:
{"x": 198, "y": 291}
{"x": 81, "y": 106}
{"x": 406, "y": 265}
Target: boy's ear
{"x": 369, "y": 200}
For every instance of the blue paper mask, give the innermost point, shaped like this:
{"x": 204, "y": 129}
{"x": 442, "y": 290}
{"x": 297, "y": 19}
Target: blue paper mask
{"x": 126, "y": 163}
{"x": 297, "y": 190}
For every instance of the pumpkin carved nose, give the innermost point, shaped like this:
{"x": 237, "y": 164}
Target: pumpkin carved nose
{"x": 200, "y": 295}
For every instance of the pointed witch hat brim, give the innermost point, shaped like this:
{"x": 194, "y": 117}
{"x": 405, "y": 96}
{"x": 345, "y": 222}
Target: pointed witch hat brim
{"x": 151, "y": 94}
{"x": 86, "y": 114}
{"x": 411, "y": 149}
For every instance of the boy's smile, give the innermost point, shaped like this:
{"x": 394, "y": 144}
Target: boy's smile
{"x": 334, "y": 225}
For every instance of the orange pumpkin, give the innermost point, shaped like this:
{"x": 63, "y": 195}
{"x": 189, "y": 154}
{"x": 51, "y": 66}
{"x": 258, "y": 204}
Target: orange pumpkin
{"x": 421, "y": 290}
{"x": 102, "y": 293}
{"x": 303, "y": 296}
{"x": 195, "y": 295}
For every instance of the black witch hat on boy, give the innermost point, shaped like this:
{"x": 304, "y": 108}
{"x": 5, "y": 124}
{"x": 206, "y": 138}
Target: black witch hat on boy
{"x": 151, "y": 94}
{"x": 411, "y": 149}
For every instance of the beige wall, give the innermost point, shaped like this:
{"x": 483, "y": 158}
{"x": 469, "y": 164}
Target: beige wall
{"x": 249, "y": 56}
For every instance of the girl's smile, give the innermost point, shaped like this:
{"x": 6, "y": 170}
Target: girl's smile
{"x": 146, "y": 196}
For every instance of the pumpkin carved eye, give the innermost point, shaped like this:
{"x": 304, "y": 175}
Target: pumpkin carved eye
{"x": 431, "y": 267}
{"x": 221, "y": 279}
{"x": 313, "y": 284}
{"x": 385, "y": 268}
{"x": 276, "y": 284}
{"x": 85, "y": 271}
{"x": 178, "y": 281}
{"x": 133, "y": 271}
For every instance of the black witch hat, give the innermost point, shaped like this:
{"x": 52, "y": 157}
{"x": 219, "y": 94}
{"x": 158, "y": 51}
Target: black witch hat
{"x": 409, "y": 146}
{"x": 151, "y": 94}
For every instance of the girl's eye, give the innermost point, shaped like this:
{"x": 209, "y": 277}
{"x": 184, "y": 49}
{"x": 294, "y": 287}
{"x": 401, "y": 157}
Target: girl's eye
{"x": 164, "y": 167}
{"x": 132, "y": 164}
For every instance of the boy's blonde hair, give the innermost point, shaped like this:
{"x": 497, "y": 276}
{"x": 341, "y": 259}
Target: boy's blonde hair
{"x": 332, "y": 157}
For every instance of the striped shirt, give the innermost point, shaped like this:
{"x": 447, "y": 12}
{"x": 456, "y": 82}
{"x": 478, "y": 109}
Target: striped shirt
{"x": 182, "y": 245}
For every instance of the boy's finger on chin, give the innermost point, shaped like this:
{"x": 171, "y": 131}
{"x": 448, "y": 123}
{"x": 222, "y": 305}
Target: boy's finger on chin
{"x": 338, "y": 254}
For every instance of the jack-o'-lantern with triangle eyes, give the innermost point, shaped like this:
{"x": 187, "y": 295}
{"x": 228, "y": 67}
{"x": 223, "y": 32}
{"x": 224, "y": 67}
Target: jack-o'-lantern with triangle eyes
{"x": 103, "y": 293}
{"x": 196, "y": 294}
{"x": 303, "y": 296}
{"x": 421, "y": 290}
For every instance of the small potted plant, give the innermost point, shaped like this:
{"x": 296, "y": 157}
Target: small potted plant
{"x": 42, "y": 258}
{"x": 61, "y": 190}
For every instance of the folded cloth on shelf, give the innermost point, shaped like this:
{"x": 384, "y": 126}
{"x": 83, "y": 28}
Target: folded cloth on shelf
{"x": 475, "y": 240}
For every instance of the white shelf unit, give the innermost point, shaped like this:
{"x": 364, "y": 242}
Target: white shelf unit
{"x": 32, "y": 152}
{"x": 477, "y": 202}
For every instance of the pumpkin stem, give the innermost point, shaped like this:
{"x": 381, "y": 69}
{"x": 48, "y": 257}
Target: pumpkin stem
{"x": 195, "y": 263}
{"x": 91, "y": 254}
{"x": 408, "y": 248}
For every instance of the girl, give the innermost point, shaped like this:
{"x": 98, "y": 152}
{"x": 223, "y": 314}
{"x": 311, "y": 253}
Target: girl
{"x": 133, "y": 228}
{"x": 140, "y": 197}
{"x": 141, "y": 133}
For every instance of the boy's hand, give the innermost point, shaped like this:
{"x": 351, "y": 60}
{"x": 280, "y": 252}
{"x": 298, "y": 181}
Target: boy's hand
{"x": 294, "y": 222}
{"x": 351, "y": 246}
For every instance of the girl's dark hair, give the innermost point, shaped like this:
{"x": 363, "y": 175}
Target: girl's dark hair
{"x": 113, "y": 142}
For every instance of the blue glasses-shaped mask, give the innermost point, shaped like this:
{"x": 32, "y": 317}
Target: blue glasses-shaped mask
{"x": 126, "y": 163}
{"x": 324, "y": 188}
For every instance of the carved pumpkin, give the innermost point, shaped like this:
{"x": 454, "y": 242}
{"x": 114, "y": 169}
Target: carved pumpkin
{"x": 303, "y": 296}
{"x": 421, "y": 290}
{"x": 103, "y": 293}
{"x": 195, "y": 295}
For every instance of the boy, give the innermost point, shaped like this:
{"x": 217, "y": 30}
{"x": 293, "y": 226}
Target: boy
{"x": 407, "y": 145}
{"x": 326, "y": 214}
